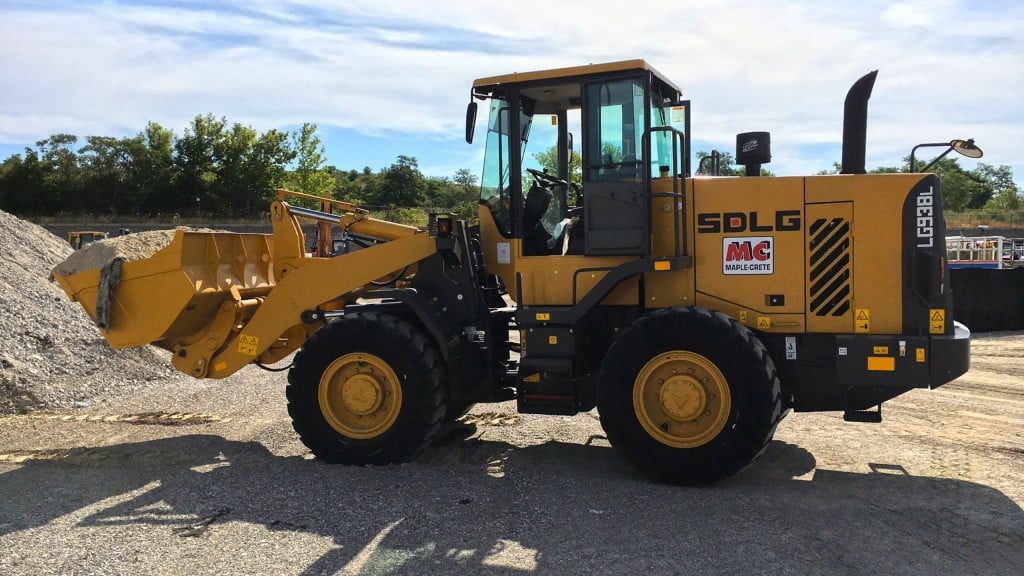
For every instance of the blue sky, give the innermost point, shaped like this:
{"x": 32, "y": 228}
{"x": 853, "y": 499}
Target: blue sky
{"x": 382, "y": 78}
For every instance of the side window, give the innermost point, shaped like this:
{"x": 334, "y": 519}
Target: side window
{"x": 662, "y": 115}
{"x": 614, "y": 128}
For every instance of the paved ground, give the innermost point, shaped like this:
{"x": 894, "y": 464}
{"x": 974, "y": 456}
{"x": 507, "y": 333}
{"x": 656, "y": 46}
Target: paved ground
{"x": 207, "y": 477}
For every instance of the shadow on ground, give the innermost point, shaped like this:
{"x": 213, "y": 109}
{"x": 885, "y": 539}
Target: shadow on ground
{"x": 477, "y": 506}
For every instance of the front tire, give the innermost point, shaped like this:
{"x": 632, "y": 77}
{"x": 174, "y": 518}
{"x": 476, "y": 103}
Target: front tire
{"x": 366, "y": 389}
{"x": 689, "y": 395}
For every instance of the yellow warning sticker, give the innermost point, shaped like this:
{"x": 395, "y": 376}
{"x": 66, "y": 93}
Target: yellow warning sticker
{"x": 936, "y": 321}
{"x": 920, "y": 355}
{"x": 248, "y": 345}
{"x": 543, "y": 317}
{"x": 552, "y": 340}
{"x": 743, "y": 316}
{"x": 764, "y": 322}
{"x": 881, "y": 363}
{"x": 862, "y": 321}
{"x": 881, "y": 350}
{"x": 532, "y": 377}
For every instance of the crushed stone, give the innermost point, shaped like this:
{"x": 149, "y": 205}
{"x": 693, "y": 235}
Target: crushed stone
{"x": 51, "y": 354}
{"x": 129, "y": 248}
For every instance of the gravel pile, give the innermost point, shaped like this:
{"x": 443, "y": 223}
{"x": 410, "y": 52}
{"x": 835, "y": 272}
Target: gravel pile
{"x": 129, "y": 248}
{"x": 51, "y": 354}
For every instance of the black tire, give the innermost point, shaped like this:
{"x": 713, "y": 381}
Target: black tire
{"x": 366, "y": 389}
{"x": 667, "y": 410}
{"x": 458, "y": 410}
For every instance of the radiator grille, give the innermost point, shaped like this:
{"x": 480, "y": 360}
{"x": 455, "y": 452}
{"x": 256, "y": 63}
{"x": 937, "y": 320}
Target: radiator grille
{"x": 829, "y": 261}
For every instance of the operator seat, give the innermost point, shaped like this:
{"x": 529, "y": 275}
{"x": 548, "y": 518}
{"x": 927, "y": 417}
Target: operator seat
{"x": 535, "y": 237}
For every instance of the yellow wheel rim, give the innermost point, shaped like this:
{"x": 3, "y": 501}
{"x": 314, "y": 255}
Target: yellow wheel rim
{"x": 360, "y": 396}
{"x": 681, "y": 399}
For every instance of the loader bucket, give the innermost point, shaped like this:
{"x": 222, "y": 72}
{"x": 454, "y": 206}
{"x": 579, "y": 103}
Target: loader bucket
{"x": 166, "y": 287}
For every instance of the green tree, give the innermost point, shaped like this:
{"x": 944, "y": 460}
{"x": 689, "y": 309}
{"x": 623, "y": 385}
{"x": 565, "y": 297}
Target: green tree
{"x": 310, "y": 175}
{"x": 401, "y": 184}
{"x": 58, "y": 163}
{"x": 467, "y": 182}
{"x": 156, "y": 170}
{"x": 111, "y": 174}
{"x": 267, "y": 169}
{"x": 195, "y": 164}
{"x": 961, "y": 189}
{"x": 456, "y": 197}
{"x": 548, "y": 160}
{"x": 727, "y": 166}
{"x": 21, "y": 179}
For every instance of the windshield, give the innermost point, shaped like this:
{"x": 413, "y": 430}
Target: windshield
{"x": 495, "y": 181}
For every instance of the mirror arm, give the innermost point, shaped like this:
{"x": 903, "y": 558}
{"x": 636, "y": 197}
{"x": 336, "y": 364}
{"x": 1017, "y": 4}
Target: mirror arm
{"x": 937, "y": 158}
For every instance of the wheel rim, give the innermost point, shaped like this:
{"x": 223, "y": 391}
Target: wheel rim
{"x": 360, "y": 395}
{"x": 681, "y": 399}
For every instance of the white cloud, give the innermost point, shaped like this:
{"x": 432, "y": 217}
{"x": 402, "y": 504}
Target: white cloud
{"x": 947, "y": 69}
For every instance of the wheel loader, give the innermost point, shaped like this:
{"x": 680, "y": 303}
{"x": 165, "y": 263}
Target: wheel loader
{"x": 692, "y": 311}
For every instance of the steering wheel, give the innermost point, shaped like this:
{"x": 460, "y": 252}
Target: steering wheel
{"x": 545, "y": 179}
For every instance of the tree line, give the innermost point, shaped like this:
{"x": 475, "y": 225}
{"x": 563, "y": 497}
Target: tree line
{"x": 986, "y": 188}
{"x": 214, "y": 169}
{"x": 219, "y": 170}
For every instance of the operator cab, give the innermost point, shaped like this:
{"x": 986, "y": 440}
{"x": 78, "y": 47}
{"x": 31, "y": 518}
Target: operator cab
{"x": 558, "y": 196}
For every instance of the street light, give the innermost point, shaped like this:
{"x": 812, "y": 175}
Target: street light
{"x": 965, "y": 147}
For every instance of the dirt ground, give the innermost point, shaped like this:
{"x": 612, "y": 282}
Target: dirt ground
{"x": 207, "y": 477}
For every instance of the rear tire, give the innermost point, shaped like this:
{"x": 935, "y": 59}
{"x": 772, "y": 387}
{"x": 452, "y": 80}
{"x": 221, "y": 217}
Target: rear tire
{"x": 689, "y": 395}
{"x": 366, "y": 389}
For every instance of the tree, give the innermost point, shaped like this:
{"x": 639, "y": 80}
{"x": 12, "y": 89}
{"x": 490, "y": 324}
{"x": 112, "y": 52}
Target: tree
{"x": 271, "y": 154}
{"x": 725, "y": 162}
{"x": 402, "y": 184}
{"x": 194, "y": 161}
{"x": 21, "y": 180}
{"x": 548, "y": 160}
{"x": 58, "y": 164}
{"x": 458, "y": 196}
{"x": 310, "y": 176}
{"x": 156, "y": 169}
{"x": 110, "y": 174}
{"x": 466, "y": 181}
{"x": 961, "y": 189}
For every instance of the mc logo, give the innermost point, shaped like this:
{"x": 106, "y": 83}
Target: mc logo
{"x": 749, "y": 255}
{"x": 747, "y": 251}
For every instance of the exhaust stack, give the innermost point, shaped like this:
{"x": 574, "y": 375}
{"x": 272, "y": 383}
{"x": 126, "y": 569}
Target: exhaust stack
{"x": 855, "y": 124}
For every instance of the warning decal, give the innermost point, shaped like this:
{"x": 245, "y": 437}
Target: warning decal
{"x": 937, "y": 321}
{"x": 248, "y": 345}
{"x": 862, "y": 321}
{"x": 748, "y": 255}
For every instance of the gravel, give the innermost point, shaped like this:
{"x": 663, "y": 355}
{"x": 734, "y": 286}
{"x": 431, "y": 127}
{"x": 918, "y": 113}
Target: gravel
{"x": 51, "y": 354}
{"x": 129, "y": 248}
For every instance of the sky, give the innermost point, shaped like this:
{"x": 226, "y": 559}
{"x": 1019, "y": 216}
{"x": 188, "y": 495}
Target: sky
{"x": 383, "y": 78}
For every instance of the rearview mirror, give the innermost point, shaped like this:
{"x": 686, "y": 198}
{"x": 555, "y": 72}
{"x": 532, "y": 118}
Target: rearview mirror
{"x": 470, "y": 122}
{"x": 967, "y": 148}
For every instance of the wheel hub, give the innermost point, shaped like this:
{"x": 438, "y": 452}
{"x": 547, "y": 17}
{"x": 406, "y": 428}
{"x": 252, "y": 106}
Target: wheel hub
{"x": 682, "y": 398}
{"x": 361, "y": 394}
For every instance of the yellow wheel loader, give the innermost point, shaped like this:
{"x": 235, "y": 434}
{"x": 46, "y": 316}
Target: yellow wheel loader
{"x": 79, "y": 239}
{"x": 692, "y": 311}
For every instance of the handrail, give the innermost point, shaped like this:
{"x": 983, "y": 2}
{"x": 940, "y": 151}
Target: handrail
{"x": 678, "y": 191}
